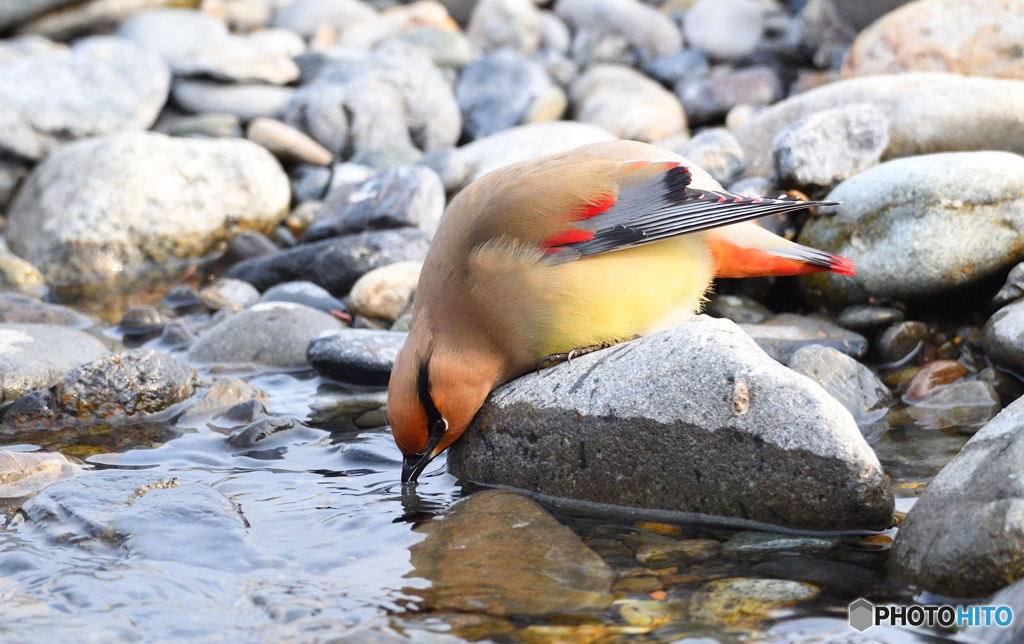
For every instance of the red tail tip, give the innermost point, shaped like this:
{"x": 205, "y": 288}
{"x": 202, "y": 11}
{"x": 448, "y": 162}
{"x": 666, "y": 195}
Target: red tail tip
{"x": 842, "y": 265}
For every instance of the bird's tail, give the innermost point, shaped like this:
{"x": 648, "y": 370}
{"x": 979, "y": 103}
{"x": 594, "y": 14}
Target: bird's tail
{"x": 747, "y": 250}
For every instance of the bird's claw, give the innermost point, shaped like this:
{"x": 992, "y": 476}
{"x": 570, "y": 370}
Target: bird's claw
{"x": 555, "y": 358}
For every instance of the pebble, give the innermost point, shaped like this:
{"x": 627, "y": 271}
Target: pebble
{"x": 358, "y": 356}
{"x": 259, "y": 430}
{"x": 1003, "y": 337}
{"x": 20, "y": 276}
{"x": 305, "y": 17}
{"x": 385, "y": 292}
{"x": 717, "y": 151}
{"x": 248, "y": 244}
{"x": 22, "y": 473}
{"x": 513, "y": 25}
{"x": 223, "y": 395}
{"x": 37, "y": 355}
{"x": 627, "y": 104}
{"x": 247, "y": 101}
{"x": 970, "y": 37}
{"x": 183, "y": 299}
{"x": 827, "y": 27}
{"x": 396, "y": 197}
{"x": 1012, "y": 289}
{"x": 535, "y": 565}
{"x": 327, "y": 409}
{"x": 783, "y": 335}
{"x": 822, "y": 149}
{"x": 336, "y": 263}
{"x": 554, "y": 33}
{"x": 641, "y": 28}
{"x": 682, "y": 66}
{"x": 287, "y": 143}
{"x": 141, "y": 321}
{"x": 228, "y": 294}
{"x": 447, "y": 49}
{"x": 862, "y": 317}
{"x": 748, "y": 542}
{"x": 724, "y": 29}
{"x": 214, "y": 125}
{"x": 846, "y": 380}
{"x": 274, "y": 334}
{"x": 925, "y": 114}
{"x": 968, "y": 205}
{"x": 104, "y": 208}
{"x": 964, "y": 406}
{"x": 305, "y": 293}
{"x": 504, "y": 89}
{"x": 738, "y": 308}
{"x": 744, "y": 603}
{"x": 560, "y": 432}
{"x": 671, "y": 553}
{"x": 707, "y": 100}
{"x": 112, "y": 389}
{"x": 901, "y": 342}
{"x": 15, "y": 13}
{"x": 960, "y": 539}
{"x": 116, "y": 86}
{"x": 847, "y": 579}
{"x": 933, "y": 376}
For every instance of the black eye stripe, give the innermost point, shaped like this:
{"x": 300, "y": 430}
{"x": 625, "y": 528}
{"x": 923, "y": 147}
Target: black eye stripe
{"x": 435, "y": 421}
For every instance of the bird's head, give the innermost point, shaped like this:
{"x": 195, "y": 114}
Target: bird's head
{"x": 433, "y": 395}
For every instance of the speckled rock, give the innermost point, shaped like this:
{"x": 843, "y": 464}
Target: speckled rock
{"x": 22, "y": 473}
{"x": 246, "y": 101}
{"x": 742, "y": 603}
{"x": 118, "y": 388}
{"x": 275, "y": 334}
{"x": 386, "y": 291}
{"x": 824, "y": 148}
{"x": 642, "y": 30}
{"x": 361, "y": 356}
{"x": 1003, "y": 337}
{"x": 724, "y": 29}
{"x": 925, "y": 113}
{"x": 848, "y": 381}
{"x": 100, "y": 209}
{"x": 534, "y": 565}
{"x": 336, "y": 263}
{"x": 970, "y": 37}
{"x": 37, "y": 355}
{"x": 969, "y": 206}
{"x": 964, "y": 536}
{"x": 505, "y": 24}
{"x": 717, "y": 151}
{"x": 101, "y": 85}
{"x": 561, "y": 432}
{"x": 627, "y": 104}
{"x": 504, "y": 89}
{"x": 18, "y": 308}
{"x": 786, "y": 333}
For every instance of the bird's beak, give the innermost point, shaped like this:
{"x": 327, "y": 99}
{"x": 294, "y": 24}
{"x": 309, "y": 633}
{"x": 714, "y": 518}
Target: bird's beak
{"x": 414, "y": 464}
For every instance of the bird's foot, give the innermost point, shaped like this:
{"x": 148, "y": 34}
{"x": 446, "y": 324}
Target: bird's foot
{"x": 556, "y": 358}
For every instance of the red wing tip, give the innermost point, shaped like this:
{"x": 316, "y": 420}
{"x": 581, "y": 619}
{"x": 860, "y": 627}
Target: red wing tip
{"x": 842, "y": 265}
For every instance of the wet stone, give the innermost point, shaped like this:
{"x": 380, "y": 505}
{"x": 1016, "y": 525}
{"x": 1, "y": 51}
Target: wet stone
{"x": 738, "y": 308}
{"x": 744, "y": 603}
{"x": 500, "y": 553}
{"x": 362, "y": 356}
{"x": 37, "y": 355}
{"x": 638, "y": 584}
{"x": 1003, "y": 337}
{"x": 748, "y": 543}
{"x": 663, "y": 555}
{"x": 901, "y": 342}
{"x": 848, "y": 381}
{"x": 16, "y": 308}
{"x": 861, "y": 317}
{"x": 228, "y": 294}
{"x": 223, "y": 395}
{"x": 1013, "y": 288}
{"x": 305, "y": 293}
{"x": 386, "y": 291}
{"x": 141, "y": 321}
{"x": 933, "y": 376}
{"x": 845, "y": 578}
{"x": 183, "y": 299}
{"x": 964, "y": 406}
{"x": 260, "y": 430}
{"x": 22, "y": 473}
{"x": 247, "y": 245}
{"x": 332, "y": 408}
{"x": 786, "y": 333}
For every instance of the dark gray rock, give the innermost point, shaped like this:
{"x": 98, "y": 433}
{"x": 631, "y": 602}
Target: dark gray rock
{"x": 1013, "y": 288}
{"x": 183, "y": 299}
{"x": 305, "y": 293}
{"x": 142, "y": 321}
{"x": 901, "y": 342}
{"x": 964, "y": 536}
{"x": 786, "y": 333}
{"x": 827, "y": 27}
{"x": 824, "y": 148}
{"x": 738, "y": 308}
{"x": 1003, "y": 337}
{"x": 119, "y": 388}
{"x": 361, "y": 356}
{"x": 230, "y": 294}
{"x": 968, "y": 205}
{"x": 101, "y": 211}
{"x": 223, "y": 399}
{"x": 707, "y": 100}
{"x": 504, "y": 89}
{"x": 275, "y": 334}
{"x": 860, "y": 317}
{"x": 717, "y": 151}
{"x": 101, "y": 85}
{"x": 148, "y": 514}
{"x": 847, "y": 579}
{"x": 16, "y": 308}
{"x": 724, "y": 29}
{"x": 848, "y": 381}
{"x": 246, "y": 101}
{"x": 750, "y": 438}
{"x": 334, "y": 264}
{"x": 396, "y": 197}
{"x": 37, "y": 355}
{"x": 249, "y": 244}
{"x": 259, "y": 430}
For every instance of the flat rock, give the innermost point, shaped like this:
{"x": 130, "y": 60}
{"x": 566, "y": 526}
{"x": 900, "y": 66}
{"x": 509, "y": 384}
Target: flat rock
{"x": 336, "y": 263}
{"x": 111, "y": 207}
{"x": 22, "y": 473}
{"x": 114, "y": 389}
{"x": 361, "y": 356}
{"x": 500, "y": 553}
{"x": 925, "y": 113}
{"x": 37, "y": 355}
{"x": 148, "y": 514}
{"x": 246, "y": 101}
{"x": 783, "y": 335}
{"x": 275, "y": 334}
{"x": 964, "y": 536}
{"x": 970, "y": 37}
{"x": 848, "y": 381}
{"x": 16, "y": 308}
{"x": 627, "y": 104}
{"x": 969, "y": 206}
{"x": 750, "y": 438}
{"x": 101, "y": 85}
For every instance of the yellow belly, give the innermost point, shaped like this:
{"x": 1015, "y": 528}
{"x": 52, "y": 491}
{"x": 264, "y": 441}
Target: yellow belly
{"x": 616, "y": 296}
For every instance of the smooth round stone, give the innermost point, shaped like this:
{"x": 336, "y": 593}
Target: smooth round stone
{"x": 37, "y": 355}
{"x": 215, "y": 125}
{"x": 305, "y": 17}
{"x": 738, "y": 308}
{"x": 685, "y": 65}
{"x": 755, "y": 187}
{"x": 183, "y": 299}
{"x": 709, "y": 99}
{"x": 260, "y": 430}
{"x": 844, "y": 578}
{"x": 848, "y": 381}
{"x": 247, "y": 245}
{"x": 762, "y": 542}
{"x": 1013, "y": 288}
{"x": 900, "y": 342}
{"x": 970, "y": 37}
{"x": 786, "y": 333}
{"x": 1003, "y": 337}
{"x": 176, "y": 335}
{"x": 717, "y": 151}
{"x": 360, "y": 356}
{"x": 554, "y": 34}
{"x": 245, "y": 100}
{"x": 639, "y": 26}
{"x": 931, "y": 377}
{"x": 446, "y": 49}
{"x": 18, "y": 275}
{"x": 627, "y": 104}
{"x": 505, "y": 24}
{"x": 305, "y": 293}
{"x": 504, "y": 89}
{"x": 744, "y": 603}
{"x": 16, "y": 308}
{"x": 327, "y": 409}
{"x": 22, "y": 473}
{"x": 141, "y": 320}
{"x": 15, "y": 13}
{"x": 286, "y": 142}
{"x": 964, "y": 406}
{"x": 386, "y": 291}
{"x": 224, "y": 394}
{"x": 229, "y": 294}
{"x": 861, "y": 317}
{"x": 724, "y": 29}
{"x": 969, "y": 206}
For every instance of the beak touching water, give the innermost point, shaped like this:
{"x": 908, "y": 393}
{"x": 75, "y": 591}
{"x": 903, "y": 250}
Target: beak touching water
{"x": 414, "y": 464}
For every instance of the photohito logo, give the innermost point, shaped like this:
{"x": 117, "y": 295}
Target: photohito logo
{"x": 864, "y": 615}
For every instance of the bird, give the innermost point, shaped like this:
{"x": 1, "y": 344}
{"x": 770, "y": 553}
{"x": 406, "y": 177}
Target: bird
{"x": 558, "y": 255}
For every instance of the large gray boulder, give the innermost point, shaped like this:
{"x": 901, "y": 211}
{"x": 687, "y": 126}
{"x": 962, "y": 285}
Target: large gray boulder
{"x": 37, "y": 355}
{"x": 920, "y": 226}
{"x": 101, "y": 85}
{"x": 965, "y": 535}
{"x": 109, "y": 207}
{"x": 693, "y": 419}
